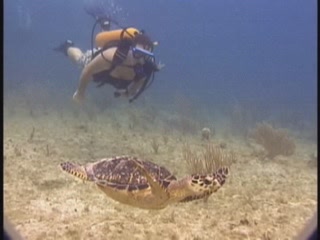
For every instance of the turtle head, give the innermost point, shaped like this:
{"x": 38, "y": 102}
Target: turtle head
{"x": 203, "y": 185}
{"x": 221, "y": 175}
{"x": 76, "y": 170}
{"x": 209, "y": 182}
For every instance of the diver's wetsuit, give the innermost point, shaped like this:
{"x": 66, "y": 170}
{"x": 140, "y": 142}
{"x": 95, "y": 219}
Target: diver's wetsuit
{"x": 102, "y": 77}
{"x": 141, "y": 71}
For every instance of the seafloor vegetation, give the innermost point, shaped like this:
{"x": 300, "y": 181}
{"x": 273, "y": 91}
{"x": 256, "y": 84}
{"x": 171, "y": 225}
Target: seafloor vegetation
{"x": 270, "y": 194}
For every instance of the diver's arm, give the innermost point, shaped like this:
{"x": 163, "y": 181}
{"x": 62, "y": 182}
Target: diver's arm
{"x": 98, "y": 64}
{"x": 85, "y": 78}
{"x": 159, "y": 66}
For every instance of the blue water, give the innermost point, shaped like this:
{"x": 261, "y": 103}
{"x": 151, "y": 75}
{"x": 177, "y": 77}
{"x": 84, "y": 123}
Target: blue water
{"x": 218, "y": 52}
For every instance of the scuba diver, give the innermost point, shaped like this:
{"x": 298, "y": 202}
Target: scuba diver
{"x": 123, "y": 58}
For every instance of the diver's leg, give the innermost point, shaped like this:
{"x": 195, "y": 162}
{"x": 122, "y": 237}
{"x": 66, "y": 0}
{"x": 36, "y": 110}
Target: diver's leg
{"x": 76, "y": 56}
{"x": 73, "y": 53}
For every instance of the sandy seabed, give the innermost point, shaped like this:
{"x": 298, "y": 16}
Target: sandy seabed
{"x": 262, "y": 199}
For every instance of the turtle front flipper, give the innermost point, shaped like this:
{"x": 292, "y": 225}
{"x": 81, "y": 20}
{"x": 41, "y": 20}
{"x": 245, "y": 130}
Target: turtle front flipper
{"x": 156, "y": 188}
{"x": 75, "y": 170}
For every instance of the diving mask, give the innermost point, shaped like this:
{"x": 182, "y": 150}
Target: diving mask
{"x": 140, "y": 52}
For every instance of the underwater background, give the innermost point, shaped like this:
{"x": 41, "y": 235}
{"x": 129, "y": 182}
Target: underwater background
{"x": 233, "y": 67}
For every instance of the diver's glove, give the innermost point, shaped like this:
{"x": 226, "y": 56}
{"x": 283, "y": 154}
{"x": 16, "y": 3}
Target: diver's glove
{"x": 63, "y": 47}
{"x": 159, "y": 66}
{"x": 153, "y": 66}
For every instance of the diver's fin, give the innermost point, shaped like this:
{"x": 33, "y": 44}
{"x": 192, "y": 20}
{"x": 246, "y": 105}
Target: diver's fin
{"x": 63, "y": 47}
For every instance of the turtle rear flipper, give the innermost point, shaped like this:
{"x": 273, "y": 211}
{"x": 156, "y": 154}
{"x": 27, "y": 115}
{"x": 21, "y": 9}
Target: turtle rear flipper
{"x": 156, "y": 188}
{"x": 75, "y": 170}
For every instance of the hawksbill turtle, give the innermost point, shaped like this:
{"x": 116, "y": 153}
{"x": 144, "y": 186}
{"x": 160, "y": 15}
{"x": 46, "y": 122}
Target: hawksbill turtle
{"x": 144, "y": 184}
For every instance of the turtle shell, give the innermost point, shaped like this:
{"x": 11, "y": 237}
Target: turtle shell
{"x": 122, "y": 173}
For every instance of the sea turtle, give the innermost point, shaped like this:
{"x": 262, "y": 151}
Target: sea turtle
{"x": 144, "y": 184}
